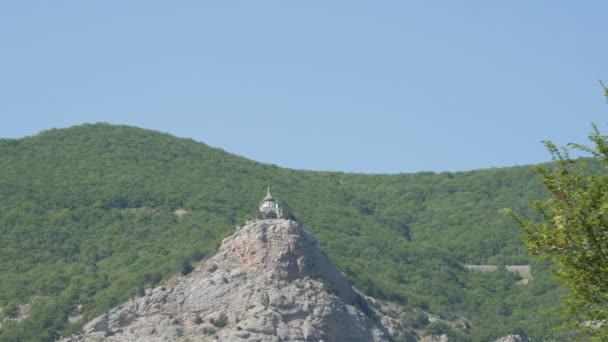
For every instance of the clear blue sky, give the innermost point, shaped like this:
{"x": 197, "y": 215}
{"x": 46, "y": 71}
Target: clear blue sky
{"x": 364, "y": 86}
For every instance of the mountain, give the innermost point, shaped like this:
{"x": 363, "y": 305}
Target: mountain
{"x": 268, "y": 282}
{"x": 93, "y": 214}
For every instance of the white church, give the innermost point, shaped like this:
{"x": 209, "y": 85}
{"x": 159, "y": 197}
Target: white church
{"x": 270, "y": 208}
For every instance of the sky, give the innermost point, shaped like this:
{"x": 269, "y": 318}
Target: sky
{"x": 354, "y": 86}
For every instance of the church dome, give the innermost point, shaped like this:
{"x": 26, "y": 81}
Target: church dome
{"x": 268, "y": 197}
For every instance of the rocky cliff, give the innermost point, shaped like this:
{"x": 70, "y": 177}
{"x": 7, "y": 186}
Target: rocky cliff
{"x": 269, "y": 281}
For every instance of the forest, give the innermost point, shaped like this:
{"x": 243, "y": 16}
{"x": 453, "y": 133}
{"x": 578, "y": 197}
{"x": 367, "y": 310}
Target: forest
{"x": 88, "y": 219}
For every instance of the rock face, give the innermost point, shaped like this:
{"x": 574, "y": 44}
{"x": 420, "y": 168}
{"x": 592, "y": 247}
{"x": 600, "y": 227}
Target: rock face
{"x": 513, "y": 338}
{"x": 268, "y": 282}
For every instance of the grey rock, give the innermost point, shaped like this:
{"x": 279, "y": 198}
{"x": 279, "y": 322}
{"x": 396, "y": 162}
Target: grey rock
{"x": 513, "y": 338}
{"x": 269, "y": 281}
{"x": 445, "y": 338}
{"x": 435, "y": 338}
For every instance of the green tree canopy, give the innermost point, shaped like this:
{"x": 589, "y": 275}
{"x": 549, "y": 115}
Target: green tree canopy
{"x": 573, "y": 232}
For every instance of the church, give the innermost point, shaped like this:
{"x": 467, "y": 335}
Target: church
{"x": 270, "y": 208}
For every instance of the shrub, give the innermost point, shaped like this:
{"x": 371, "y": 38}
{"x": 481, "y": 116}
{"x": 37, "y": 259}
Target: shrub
{"x": 438, "y": 328}
{"x": 209, "y": 331}
{"x": 186, "y": 268}
{"x": 220, "y": 322}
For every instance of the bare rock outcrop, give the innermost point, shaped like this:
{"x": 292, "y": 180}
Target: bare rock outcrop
{"x": 513, "y": 338}
{"x": 268, "y": 282}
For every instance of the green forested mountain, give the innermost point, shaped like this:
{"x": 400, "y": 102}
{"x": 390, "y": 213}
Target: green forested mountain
{"x": 87, "y": 219}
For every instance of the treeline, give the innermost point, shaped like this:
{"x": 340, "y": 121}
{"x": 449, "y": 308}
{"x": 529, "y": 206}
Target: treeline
{"x": 87, "y": 220}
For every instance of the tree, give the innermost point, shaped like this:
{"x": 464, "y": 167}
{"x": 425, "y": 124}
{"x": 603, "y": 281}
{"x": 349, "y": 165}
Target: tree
{"x": 573, "y": 232}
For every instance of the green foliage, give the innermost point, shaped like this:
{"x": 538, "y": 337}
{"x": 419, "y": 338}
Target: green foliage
{"x": 219, "y": 322}
{"x": 573, "y": 232}
{"x": 438, "y": 328}
{"x": 93, "y": 214}
{"x": 419, "y": 321}
{"x": 209, "y": 331}
{"x": 186, "y": 267}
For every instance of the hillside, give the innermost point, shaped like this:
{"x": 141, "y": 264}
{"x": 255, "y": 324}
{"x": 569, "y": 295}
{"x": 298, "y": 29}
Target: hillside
{"x": 88, "y": 218}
